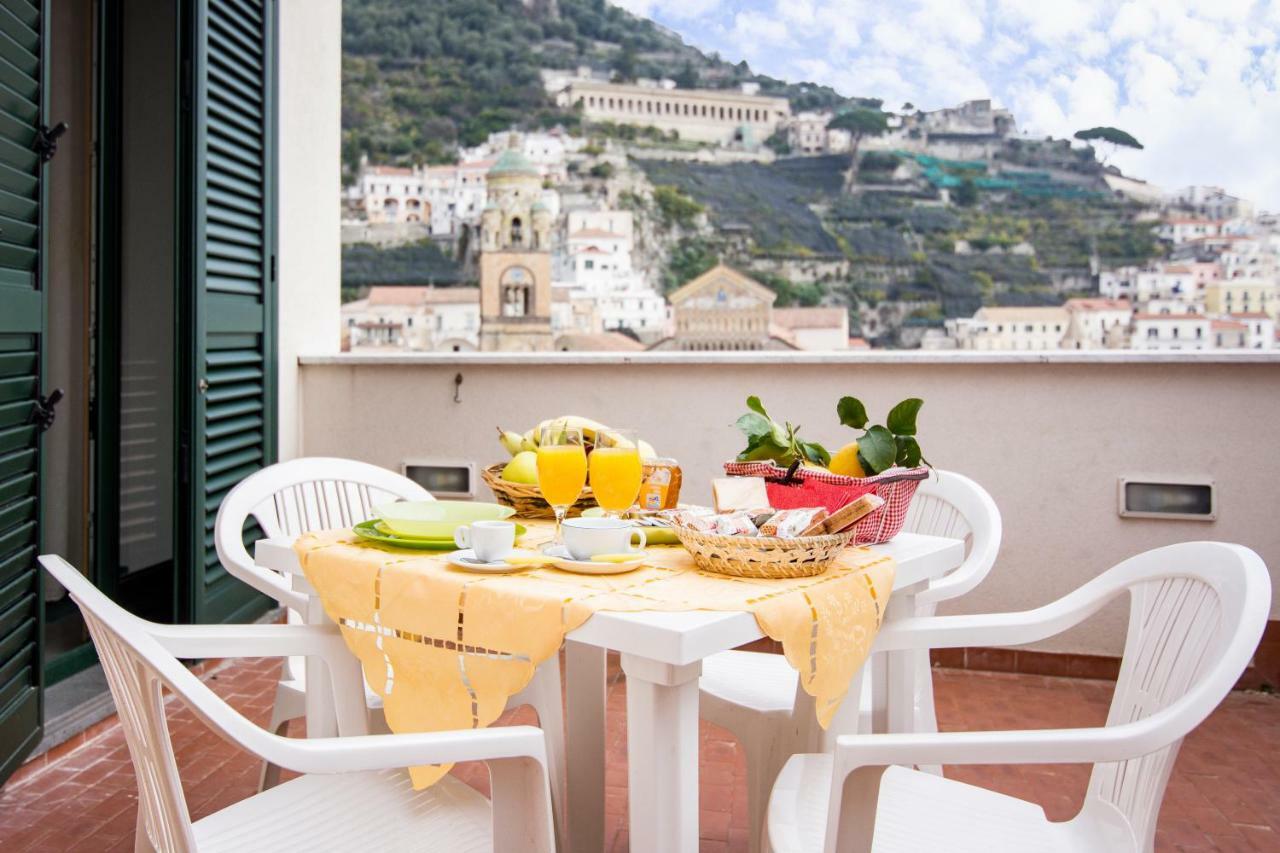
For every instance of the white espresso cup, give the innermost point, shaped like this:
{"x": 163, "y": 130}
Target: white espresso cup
{"x": 490, "y": 540}
{"x": 587, "y": 537}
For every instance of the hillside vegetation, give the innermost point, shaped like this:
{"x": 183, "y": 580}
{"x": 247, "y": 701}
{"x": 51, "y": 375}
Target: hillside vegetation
{"x": 420, "y": 78}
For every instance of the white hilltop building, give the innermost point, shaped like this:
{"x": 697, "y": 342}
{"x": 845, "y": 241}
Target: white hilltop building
{"x": 442, "y": 198}
{"x": 594, "y": 272}
{"x": 1030, "y": 328}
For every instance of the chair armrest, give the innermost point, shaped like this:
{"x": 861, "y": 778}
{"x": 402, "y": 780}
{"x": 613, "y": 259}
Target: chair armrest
{"x": 238, "y": 641}
{"x": 324, "y": 642}
{"x": 1040, "y": 746}
{"x": 998, "y": 629}
{"x": 380, "y": 752}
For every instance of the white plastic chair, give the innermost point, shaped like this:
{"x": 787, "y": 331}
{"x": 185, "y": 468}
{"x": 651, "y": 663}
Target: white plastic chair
{"x": 755, "y": 694}
{"x": 290, "y": 498}
{"x": 1196, "y": 613}
{"x": 357, "y": 795}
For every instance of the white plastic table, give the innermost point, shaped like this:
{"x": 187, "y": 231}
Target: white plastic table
{"x": 661, "y": 654}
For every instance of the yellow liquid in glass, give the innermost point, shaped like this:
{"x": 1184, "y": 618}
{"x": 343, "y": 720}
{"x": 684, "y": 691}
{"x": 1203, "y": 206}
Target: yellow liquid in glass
{"x": 562, "y": 472}
{"x": 615, "y": 476}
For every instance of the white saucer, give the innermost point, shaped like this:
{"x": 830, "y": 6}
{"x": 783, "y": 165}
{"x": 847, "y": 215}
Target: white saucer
{"x": 466, "y": 560}
{"x": 566, "y": 562}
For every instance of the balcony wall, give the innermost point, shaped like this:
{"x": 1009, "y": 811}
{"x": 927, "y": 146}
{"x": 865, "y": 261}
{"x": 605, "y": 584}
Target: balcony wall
{"x": 1047, "y": 434}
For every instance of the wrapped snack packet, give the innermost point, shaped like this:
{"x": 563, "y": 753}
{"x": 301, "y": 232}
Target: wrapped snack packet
{"x": 790, "y": 523}
{"x": 735, "y": 524}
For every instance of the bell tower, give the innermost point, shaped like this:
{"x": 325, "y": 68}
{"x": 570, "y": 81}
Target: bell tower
{"x": 515, "y": 259}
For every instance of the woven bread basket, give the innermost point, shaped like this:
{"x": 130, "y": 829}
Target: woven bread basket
{"x": 526, "y": 499}
{"x": 763, "y": 556}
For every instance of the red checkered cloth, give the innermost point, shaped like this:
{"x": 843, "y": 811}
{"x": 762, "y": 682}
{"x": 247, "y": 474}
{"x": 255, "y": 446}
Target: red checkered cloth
{"x": 895, "y": 486}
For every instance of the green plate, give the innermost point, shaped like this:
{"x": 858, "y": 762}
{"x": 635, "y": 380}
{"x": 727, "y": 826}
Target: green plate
{"x": 437, "y": 519}
{"x": 652, "y": 535}
{"x": 374, "y": 531}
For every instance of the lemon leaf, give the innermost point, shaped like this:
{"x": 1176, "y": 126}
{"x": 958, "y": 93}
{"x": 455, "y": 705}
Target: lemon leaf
{"x": 852, "y": 413}
{"x": 878, "y": 448}
{"x": 902, "y": 418}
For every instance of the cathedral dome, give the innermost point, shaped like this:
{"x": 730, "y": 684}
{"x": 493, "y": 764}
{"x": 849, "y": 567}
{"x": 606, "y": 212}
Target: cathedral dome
{"x": 513, "y": 164}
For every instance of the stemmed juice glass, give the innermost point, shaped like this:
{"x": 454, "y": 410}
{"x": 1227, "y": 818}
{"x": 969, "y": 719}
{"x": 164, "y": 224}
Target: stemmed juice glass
{"x": 562, "y": 470}
{"x": 616, "y": 470}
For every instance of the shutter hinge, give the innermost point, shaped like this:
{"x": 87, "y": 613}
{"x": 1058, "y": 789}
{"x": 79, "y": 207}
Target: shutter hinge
{"x": 46, "y": 141}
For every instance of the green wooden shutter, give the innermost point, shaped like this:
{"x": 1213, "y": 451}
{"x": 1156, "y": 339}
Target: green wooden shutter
{"x": 21, "y": 346}
{"x": 233, "y": 135}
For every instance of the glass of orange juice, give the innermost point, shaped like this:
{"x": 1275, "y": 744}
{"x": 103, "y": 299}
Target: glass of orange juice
{"x": 616, "y": 470}
{"x": 562, "y": 469}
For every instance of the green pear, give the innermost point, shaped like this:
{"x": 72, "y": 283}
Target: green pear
{"x": 523, "y": 468}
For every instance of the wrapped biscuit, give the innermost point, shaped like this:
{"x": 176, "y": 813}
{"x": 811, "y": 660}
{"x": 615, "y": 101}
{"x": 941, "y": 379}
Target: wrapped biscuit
{"x": 790, "y": 523}
{"x": 736, "y": 524}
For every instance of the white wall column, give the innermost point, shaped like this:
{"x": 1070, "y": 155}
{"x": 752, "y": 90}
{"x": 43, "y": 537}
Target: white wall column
{"x": 310, "y": 175}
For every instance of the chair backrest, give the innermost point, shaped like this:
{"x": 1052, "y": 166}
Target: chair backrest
{"x": 1196, "y": 613}
{"x": 952, "y": 505}
{"x": 136, "y": 668}
{"x": 289, "y": 498}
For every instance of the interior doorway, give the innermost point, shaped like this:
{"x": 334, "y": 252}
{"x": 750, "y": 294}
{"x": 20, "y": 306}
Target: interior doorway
{"x": 109, "y": 489}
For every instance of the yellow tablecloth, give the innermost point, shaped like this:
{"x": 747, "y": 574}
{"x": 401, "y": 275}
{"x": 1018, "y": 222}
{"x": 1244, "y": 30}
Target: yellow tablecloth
{"x": 445, "y": 648}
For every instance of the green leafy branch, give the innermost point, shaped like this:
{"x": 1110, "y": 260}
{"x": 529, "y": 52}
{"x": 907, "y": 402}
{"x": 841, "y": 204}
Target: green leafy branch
{"x": 882, "y": 447}
{"x": 767, "y": 439}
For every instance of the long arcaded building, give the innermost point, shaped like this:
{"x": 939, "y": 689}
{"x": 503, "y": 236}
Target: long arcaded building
{"x": 703, "y": 115}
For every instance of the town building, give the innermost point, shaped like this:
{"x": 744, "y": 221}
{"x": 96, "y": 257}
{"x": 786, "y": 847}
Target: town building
{"x": 807, "y": 133}
{"x": 723, "y": 310}
{"x": 1097, "y": 323}
{"x": 515, "y": 259}
{"x": 1011, "y": 328}
{"x": 1260, "y": 329}
{"x": 1171, "y": 332}
{"x": 389, "y": 194}
{"x": 445, "y": 198}
{"x": 821, "y": 329}
{"x": 972, "y": 118}
{"x": 594, "y": 264}
{"x": 720, "y": 116}
{"x": 1229, "y": 334}
{"x": 1242, "y": 295}
{"x": 425, "y": 319}
{"x": 1211, "y": 203}
{"x": 1181, "y": 229}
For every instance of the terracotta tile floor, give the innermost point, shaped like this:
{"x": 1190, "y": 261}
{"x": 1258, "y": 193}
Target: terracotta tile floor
{"x": 1225, "y": 792}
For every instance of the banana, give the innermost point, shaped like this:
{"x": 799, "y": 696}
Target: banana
{"x": 588, "y": 427}
{"x": 512, "y": 442}
{"x": 531, "y": 438}
{"x": 526, "y": 443}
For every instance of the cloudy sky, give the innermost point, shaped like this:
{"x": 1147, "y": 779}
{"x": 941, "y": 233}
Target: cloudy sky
{"x": 1196, "y": 81}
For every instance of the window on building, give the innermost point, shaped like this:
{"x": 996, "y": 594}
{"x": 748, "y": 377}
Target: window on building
{"x": 517, "y": 231}
{"x": 1176, "y": 331}
{"x": 409, "y": 322}
{"x": 1151, "y": 333}
{"x": 588, "y": 265}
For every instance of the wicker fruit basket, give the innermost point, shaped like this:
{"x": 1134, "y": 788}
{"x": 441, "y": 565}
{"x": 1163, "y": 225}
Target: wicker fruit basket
{"x": 763, "y": 556}
{"x": 526, "y": 499}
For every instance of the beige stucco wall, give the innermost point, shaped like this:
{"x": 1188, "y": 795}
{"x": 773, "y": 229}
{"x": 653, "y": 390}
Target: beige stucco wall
{"x": 310, "y": 260}
{"x": 1047, "y": 436}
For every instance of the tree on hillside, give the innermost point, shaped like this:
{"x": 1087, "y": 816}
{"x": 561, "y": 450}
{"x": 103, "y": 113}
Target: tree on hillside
{"x": 624, "y": 67}
{"x": 687, "y": 78}
{"x": 1113, "y": 136}
{"x": 859, "y": 122}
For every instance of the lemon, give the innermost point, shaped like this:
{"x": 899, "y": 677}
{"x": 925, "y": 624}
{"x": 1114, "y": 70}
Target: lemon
{"x": 845, "y": 461}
